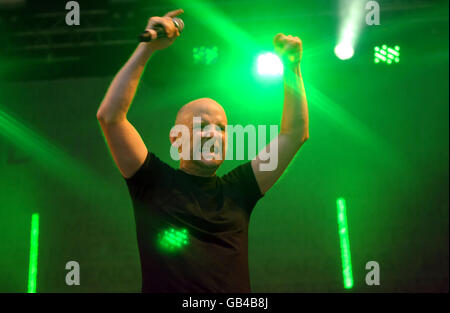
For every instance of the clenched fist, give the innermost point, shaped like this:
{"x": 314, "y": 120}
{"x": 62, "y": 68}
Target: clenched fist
{"x": 289, "y": 49}
{"x": 170, "y": 28}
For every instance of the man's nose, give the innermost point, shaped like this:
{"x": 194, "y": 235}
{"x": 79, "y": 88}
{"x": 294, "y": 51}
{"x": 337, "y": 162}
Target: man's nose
{"x": 212, "y": 132}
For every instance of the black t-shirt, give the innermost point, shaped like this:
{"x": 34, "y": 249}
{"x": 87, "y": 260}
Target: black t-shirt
{"x": 192, "y": 231}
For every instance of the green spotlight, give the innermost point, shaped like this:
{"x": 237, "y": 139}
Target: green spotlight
{"x": 173, "y": 239}
{"x": 34, "y": 241}
{"x": 205, "y": 55}
{"x": 385, "y": 54}
{"x": 269, "y": 64}
{"x": 345, "y": 244}
{"x": 344, "y": 51}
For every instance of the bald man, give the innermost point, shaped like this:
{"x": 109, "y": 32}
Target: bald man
{"x": 192, "y": 226}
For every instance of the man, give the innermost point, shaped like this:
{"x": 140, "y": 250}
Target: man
{"x": 192, "y": 226}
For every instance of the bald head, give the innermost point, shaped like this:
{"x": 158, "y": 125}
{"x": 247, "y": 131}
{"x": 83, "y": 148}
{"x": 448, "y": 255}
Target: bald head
{"x": 203, "y": 107}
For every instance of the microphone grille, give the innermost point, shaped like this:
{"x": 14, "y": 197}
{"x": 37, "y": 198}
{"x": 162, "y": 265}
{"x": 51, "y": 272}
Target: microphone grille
{"x": 178, "y": 23}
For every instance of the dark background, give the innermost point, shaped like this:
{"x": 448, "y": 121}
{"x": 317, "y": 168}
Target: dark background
{"x": 378, "y": 138}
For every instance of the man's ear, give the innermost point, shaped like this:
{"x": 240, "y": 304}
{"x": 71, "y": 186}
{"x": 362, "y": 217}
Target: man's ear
{"x": 181, "y": 135}
{"x": 172, "y": 138}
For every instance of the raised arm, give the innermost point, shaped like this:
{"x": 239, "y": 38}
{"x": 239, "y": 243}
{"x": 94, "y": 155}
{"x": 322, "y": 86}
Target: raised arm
{"x": 125, "y": 143}
{"x": 294, "y": 123}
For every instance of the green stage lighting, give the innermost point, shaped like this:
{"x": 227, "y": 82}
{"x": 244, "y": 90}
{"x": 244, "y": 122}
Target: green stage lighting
{"x": 269, "y": 64}
{"x": 385, "y": 54}
{"x": 345, "y": 244}
{"x": 351, "y": 20}
{"x": 173, "y": 239}
{"x": 205, "y": 55}
{"x": 344, "y": 51}
{"x": 34, "y": 241}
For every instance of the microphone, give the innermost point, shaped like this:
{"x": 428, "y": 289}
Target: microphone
{"x": 161, "y": 33}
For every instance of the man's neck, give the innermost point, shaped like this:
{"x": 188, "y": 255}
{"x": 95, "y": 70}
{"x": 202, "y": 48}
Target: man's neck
{"x": 198, "y": 170}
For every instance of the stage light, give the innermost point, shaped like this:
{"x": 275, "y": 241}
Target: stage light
{"x": 34, "y": 242}
{"x": 385, "y": 54}
{"x": 205, "y": 55}
{"x": 351, "y": 15}
{"x": 345, "y": 243}
{"x": 269, "y": 64}
{"x": 173, "y": 239}
{"x": 344, "y": 51}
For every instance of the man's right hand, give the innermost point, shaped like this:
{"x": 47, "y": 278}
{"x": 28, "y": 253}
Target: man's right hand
{"x": 126, "y": 145}
{"x": 170, "y": 28}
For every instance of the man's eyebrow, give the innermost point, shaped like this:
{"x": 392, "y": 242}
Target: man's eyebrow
{"x": 205, "y": 122}
{"x": 220, "y": 125}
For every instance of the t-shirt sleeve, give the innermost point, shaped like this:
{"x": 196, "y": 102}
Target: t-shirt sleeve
{"x": 243, "y": 182}
{"x": 146, "y": 177}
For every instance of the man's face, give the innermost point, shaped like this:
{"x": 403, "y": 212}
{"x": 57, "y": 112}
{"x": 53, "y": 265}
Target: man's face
{"x": 206, "y": 121}
{"x": 208, "y": 140}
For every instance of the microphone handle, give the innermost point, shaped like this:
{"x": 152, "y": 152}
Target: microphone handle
{"x": 147, "y": 37}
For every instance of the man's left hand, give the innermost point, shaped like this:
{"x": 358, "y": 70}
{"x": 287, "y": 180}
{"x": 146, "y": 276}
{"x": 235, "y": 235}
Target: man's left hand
{"x": 289, "y": 49}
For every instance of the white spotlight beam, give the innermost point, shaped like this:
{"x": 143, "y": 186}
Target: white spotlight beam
{"x": 351, "y": 14}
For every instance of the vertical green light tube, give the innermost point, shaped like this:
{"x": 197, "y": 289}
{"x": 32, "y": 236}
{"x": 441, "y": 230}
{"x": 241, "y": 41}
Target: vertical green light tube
{"x": 345, "y": 243}
{"x": 34, "y": 242}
